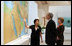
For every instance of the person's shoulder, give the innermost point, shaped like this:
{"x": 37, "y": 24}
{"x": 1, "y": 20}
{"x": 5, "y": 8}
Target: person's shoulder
{"x": 39, "y": 26}
{"x": 32, "y": 25}
{"x": 52, "y": 21}
{"x": 62, "y": 25}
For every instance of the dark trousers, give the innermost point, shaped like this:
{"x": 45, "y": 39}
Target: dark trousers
{"x": 51, "y": 43}
{"x": 59, "y": 42}
{"x": 34, "y": 42}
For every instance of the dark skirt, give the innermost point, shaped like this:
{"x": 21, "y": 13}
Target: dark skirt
{"x": 61, "y": 41}
{"x": 35, "y": 40}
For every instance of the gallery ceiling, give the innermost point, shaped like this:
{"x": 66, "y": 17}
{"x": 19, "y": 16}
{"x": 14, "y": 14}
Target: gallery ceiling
{"x": 54, "y": 3}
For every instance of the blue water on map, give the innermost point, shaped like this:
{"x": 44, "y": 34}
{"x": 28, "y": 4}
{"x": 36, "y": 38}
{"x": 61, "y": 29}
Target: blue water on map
{"x": 9, "y": 4}
{"x": 14, "y": 25}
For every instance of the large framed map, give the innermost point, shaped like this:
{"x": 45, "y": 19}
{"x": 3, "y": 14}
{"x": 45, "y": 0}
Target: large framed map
{"x": 14, "y": 12}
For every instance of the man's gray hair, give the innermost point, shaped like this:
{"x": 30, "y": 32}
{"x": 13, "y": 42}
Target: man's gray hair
{"x": 51, "y": 15}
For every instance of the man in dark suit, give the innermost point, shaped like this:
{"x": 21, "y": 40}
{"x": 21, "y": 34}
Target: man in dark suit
{"x": 50, "y": 36}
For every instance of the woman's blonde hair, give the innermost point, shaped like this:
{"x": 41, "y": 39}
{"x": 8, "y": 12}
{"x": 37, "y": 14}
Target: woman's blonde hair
{"x": 61, "y": 19}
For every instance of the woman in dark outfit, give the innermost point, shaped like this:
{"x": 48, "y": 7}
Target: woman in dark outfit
{"x": 36, "y": 32}
{"x": 60, "y": 31}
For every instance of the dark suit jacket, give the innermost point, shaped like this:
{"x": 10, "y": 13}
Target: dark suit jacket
{"x": 50, "y": 32}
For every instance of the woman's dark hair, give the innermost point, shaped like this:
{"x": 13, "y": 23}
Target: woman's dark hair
{"x": 35, "y": 20}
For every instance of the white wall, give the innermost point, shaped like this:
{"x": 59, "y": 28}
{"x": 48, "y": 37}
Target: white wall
{"x": 42, "y": 11}
{"x": 33, "y": 13}
{"x": 60, "y": 11}
{"x": 64, "y": 11}
{"x": 2, "y": 16}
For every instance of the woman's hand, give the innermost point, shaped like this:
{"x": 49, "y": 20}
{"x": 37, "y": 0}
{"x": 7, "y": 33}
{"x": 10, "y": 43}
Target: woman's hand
{"x": 24, "y": 19}
{"x": 41, "y": 37}
{"x": 25, "y": 23}
{"x": 41, "y": 41}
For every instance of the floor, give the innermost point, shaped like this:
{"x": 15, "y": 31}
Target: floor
{"x": 67, "y": 38}
{"x": 66, "y": 42}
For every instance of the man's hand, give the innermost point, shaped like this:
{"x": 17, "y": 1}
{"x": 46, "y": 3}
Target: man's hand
{"x": 57, "y": 38}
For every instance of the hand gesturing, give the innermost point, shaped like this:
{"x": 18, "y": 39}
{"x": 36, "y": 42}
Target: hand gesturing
{"x": 24, "y": 19}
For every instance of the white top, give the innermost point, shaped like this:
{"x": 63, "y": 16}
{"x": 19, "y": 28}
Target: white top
{"x": 49, "y": 20}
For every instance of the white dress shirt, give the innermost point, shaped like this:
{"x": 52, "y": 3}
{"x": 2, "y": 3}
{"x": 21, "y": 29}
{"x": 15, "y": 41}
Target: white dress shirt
{"x": 48, "y": 20}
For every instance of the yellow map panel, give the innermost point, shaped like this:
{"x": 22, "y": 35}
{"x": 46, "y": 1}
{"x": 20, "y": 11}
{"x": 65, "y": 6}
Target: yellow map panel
{"x": 14, "y": 12}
